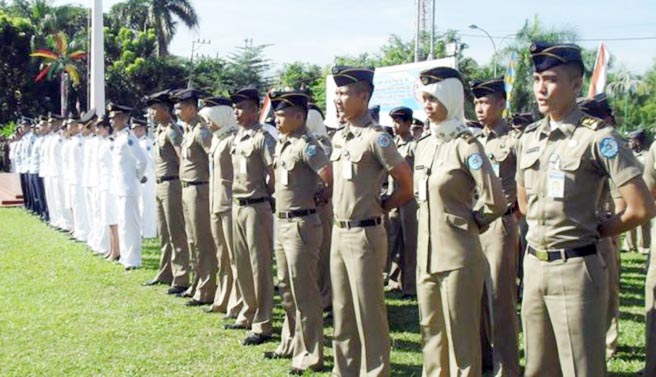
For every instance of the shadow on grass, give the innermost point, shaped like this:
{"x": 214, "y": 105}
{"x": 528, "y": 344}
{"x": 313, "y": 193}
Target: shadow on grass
{"x": 406, "y": 370}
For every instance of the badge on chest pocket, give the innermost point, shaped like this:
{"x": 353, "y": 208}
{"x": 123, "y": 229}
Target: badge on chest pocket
{"x": 347, "y": 169}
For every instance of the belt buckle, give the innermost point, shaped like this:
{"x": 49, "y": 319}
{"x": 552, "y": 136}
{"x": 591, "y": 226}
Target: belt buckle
{"x": 563, "y": 255}
{"x": 542, "y": 255}
{"x": 286, "y": 215}
{"x": 347, "y": 224}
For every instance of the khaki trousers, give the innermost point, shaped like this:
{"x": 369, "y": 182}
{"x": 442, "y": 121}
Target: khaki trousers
{"x": 449, "y": 320}
{"x": 499, "y": 245}
{"x": 228, "y": 297}
{"x": 174, "y": 259}
{"x": 361, "y": 341}
{"x": 650, "y": 314}
{"x": 253, "y": 242}
{"x": 608, "y": 250}
{"x": 564, "y": 316}
{"x": 402, "y": 228}
{"x": 195, "y": 204}
{"x": 297, "y": 254}
{"x": 326, "y": 215}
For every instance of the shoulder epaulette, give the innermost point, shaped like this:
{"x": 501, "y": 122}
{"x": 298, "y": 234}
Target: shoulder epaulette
{"x": 533, "y": 126}
{"x": 591, "y": 122}
{"x": 467, "y": 136}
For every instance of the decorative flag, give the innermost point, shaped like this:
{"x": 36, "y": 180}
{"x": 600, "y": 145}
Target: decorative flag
{"x": 598, "y": 80}
{"x": 509, "y": 80}
{"x": 266, "y": 108}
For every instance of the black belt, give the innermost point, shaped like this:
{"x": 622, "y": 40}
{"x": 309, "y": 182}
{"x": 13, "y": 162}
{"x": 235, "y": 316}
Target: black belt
{"x": 167, "y": 178}
{"x": 197, "y": 183}
{"x": 348, "y": 224}
{"x": 296, "y": 213}
{"x": 249, "y": 201}
{"x": 557, "y": 254}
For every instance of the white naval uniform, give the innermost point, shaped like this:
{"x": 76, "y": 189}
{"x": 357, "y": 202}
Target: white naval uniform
{"x": 90, "y": 184}
{"x": 148, "y": 199}
{"x": 106, "y": 197}
{"x": 129, "y": 167}
{"x": 59, "y": 182}
{"x": 78, "y": 200}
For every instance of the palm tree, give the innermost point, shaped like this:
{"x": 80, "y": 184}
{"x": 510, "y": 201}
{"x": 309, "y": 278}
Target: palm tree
{"x": 59, "y": 63}
{"x": 160, "y": 15}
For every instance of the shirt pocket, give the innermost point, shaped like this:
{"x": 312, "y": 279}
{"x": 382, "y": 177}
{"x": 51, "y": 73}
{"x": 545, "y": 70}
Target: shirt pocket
{"x": 529, "y": 166}
{"x": 458, "y": 222}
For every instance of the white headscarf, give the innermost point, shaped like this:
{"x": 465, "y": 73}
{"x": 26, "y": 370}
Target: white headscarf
{"x": 315, "y": 123}
{"x": 451, "y": 94}
{"x": 222, "y": 116}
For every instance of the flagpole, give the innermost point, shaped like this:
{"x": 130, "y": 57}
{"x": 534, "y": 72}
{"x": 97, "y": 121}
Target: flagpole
{"x": 97, "y": 59}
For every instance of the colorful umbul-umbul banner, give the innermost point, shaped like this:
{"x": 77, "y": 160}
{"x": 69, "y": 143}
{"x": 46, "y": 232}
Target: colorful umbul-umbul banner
{"x": 598, "y": 80}
{"x": 509, "y": 80}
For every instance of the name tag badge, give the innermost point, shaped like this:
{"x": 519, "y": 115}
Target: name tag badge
{"x": 242, "y": 166}
{"x": 347, "y": 169}
{"x": 284, "y": 176}
{"x": 556, "y": 184}
{"x": 495, "y": 167}
{"x": 423, "y": 189}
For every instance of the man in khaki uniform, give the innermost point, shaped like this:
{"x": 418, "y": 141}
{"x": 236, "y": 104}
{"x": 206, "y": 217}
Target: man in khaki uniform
{"x": 501, "y": 241}
{"x": 174, "y": 260}
{"x": 563, "y": 162}
{"x": 402, "y": 221}
{"x": 650, "y": 284}
{"x": 638, "y": 239}
{"x": 610, "y": 204}
{"x": 316, "y": 126}
{"x": 195, "y": 175}
{"x": 252, "y": 163}
{"x": 218, "y": 114}
{"x": 300, "y": 164}
{"x": 363, "y": 155}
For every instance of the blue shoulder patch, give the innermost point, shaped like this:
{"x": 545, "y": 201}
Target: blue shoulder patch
{"x": 130, "y": 142}
{"x": 475, "y": 161}
{"x": 608, "y": 147}
{"x": 384, "y": 140}
{"x": 311, "y": 150}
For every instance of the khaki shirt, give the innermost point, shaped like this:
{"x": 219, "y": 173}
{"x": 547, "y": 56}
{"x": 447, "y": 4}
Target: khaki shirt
{"x": 563, "y": 172}
{"x": 195, "y": 164}
{"x": 299, "y": 159}
{"x": 363, "y": 153}
{"x": 500, "y": 149}
{"x": 406, "y": 147}
{"x": 649, "y": 173}
{"x": 252, "y": 154}
{"x": 448, "y": 176}
{"x": 167, "y": 138}
{"x": 221, "y": 172}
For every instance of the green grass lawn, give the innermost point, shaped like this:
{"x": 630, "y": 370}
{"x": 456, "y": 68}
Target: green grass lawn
{"x": 65, "y": 311}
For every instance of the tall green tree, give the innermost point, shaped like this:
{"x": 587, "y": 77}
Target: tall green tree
{"x": 248, "y": 65}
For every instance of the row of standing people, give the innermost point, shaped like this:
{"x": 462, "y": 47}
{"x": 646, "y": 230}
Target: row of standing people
{"x": 215, "y": 192}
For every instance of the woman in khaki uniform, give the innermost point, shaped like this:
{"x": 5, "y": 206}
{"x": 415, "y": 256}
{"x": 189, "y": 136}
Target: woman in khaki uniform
{"x": 450, "y": 167}
{"x": 219, "y": 116}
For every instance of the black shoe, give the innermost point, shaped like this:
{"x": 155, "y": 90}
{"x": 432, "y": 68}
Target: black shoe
{"x": 253, "y": 339}
{"x": 236, "y": 326}
{"x": 273, "y": 355}
{"x": 130, "y": 268}
{"x": 194, "y": 302}
{"x": 296, "y": 372}
{"x": 184, "y": 294}
{"x": 176, "y": 290}
{"x": 155, "y": 282}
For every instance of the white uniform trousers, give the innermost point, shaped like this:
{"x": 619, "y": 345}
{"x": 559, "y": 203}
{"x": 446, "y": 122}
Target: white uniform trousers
{"x": 129, "y": 230}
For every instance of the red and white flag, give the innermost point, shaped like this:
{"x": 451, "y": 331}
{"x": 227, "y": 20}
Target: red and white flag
{"x": 598, "y": 80}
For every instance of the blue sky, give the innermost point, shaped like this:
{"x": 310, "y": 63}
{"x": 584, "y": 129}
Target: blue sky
{"x": 317, "y": 30}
